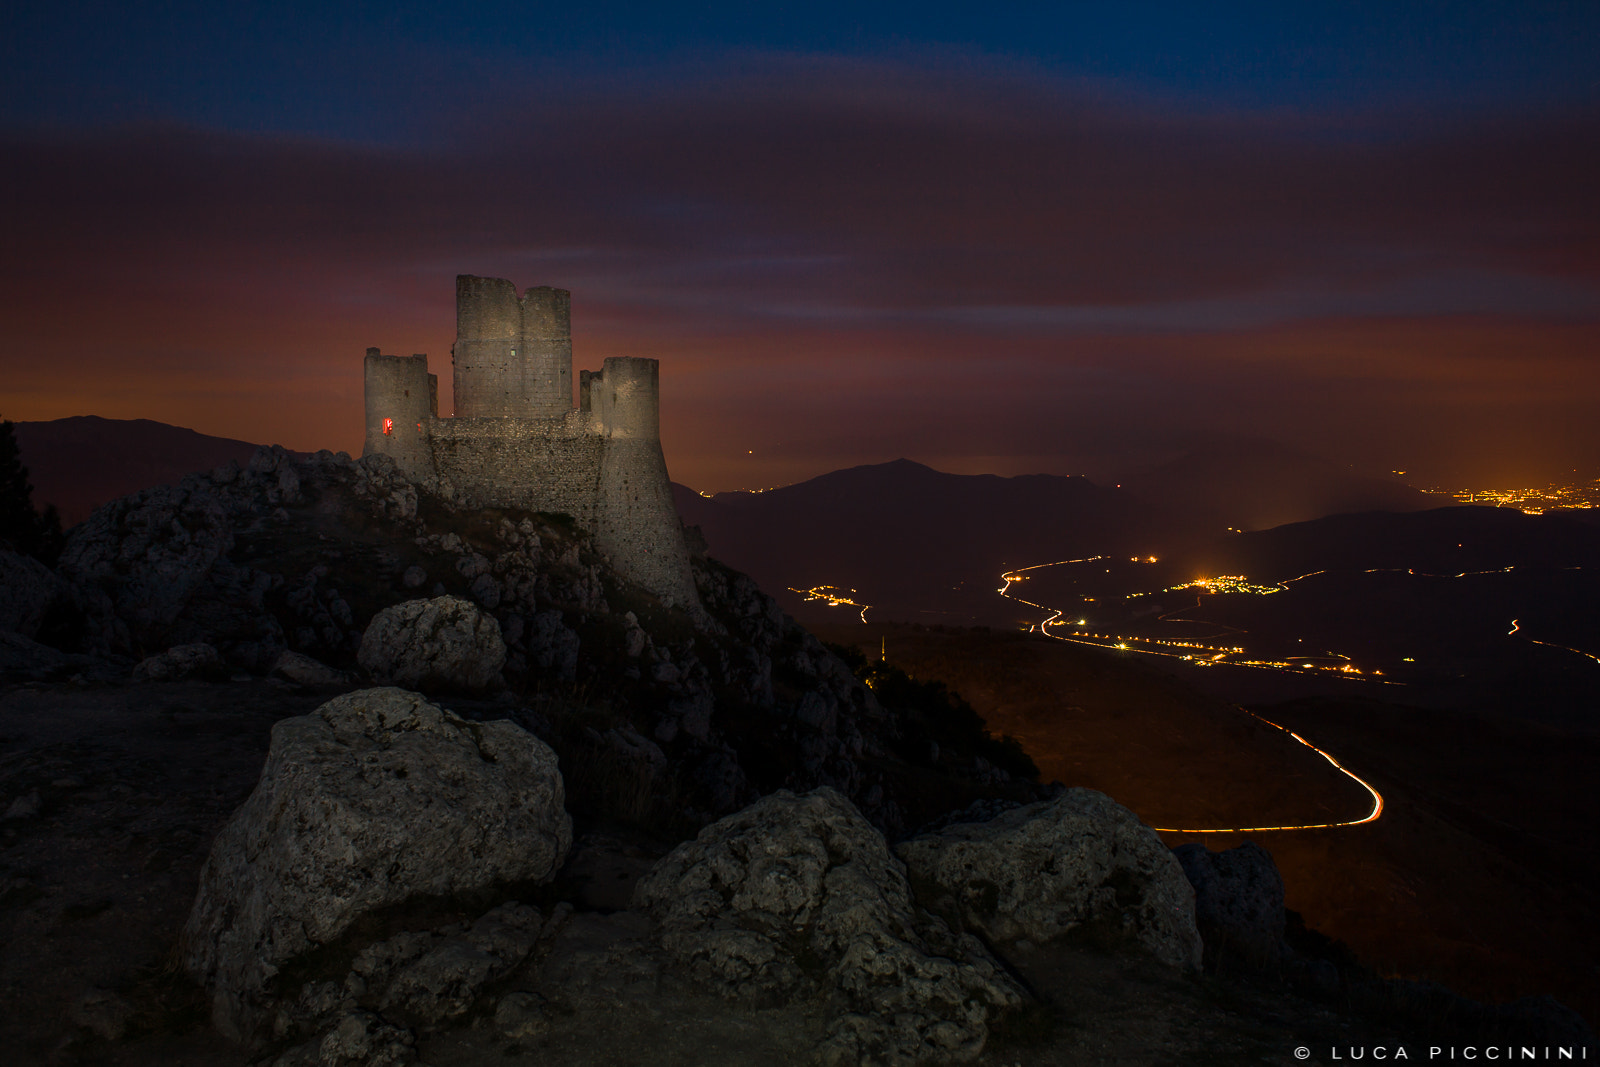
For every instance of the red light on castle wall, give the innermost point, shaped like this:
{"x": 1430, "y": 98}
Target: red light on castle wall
{"x": 388, "y": 427}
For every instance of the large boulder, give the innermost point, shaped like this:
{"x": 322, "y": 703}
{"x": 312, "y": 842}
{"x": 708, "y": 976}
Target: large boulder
{"x": 797, "y": 895}
{"x": 375, "y": 798}
{"x": 28, "y": 590}
{"x": 143, "y": 557}
{"x": 1079, "y": 864}
{"x": 1238, "y": 905}
{"x": 442, "y": 643}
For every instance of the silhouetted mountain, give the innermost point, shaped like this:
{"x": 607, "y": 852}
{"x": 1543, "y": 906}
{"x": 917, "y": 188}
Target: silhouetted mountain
{"x": 1253, "y": 485}
{"x": 79, "y": 463}
{"x": 918, "y": 542}
{"x": 913, "y": 538}
{"x": 1444, "y": 541}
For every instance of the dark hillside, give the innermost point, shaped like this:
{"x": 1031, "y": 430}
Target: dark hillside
{"x": 79, "y": 463}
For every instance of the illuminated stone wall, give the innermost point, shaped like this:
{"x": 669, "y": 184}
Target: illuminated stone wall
{"x": 513, "y": 354}
{"x": 402, "y": 399}
{"x": 517, "y": 440}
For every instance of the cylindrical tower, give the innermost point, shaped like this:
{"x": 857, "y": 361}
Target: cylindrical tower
{"x": 489, "y": 368}
{"x": 547, "y": 341}
{"x": 630, "y": 398}
{"x": 400, "y": 402}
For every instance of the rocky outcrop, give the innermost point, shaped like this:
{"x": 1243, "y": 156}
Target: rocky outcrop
{"x": 799, "y": 895}
{"x": 442, "y": 643}
{"x": 304, "y": 670}
{"x": 1080, "y": 864}
{"x": 376, "y": 798}
{"x": 140, "y": 559}
{"x": 28, "y": 591}
{"x": 1238, "y": 904}
{"x": 178, "y": 662}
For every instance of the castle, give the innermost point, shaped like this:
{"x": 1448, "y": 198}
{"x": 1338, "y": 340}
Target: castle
{"x": 517, "y": 440}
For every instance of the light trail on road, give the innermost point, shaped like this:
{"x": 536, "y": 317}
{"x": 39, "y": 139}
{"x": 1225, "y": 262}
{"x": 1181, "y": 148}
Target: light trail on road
{"x": 1371, "y": 816}
{"x": 1516, "y": 626}
{"x": 1218, "y": 652}
{"x": 1011, "y": 577}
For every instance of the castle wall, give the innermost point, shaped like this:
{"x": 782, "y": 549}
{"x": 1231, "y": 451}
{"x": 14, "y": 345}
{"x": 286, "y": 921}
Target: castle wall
{"x": 635, "y": 492}
{"x": 537, "y": 464}
{"x": 513, "y": 355}
{"x": 547, "y": 340}
{"x": 517, "y": 441}
{"x": 401, "y": 398}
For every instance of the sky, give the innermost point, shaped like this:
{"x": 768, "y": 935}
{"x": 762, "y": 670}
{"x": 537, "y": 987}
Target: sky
{"x": 994, "y": 238}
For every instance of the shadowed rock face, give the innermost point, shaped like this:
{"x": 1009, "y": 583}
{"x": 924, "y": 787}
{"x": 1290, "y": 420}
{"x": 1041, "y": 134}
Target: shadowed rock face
{"x": 800, "y": 894}
{"x": 434, "y": 644}
{"x": 375, "y": 798}
{"x": 1081, "y": 862}
{"x": 28, "y": 589}
{"x": 1238, "y": 897}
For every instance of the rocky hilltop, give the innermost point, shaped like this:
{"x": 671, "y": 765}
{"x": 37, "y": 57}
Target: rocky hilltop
{"x": 303, "y": 765}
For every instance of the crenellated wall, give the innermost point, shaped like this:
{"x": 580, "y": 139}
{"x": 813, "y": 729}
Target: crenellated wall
{"x": 517, "y": 440}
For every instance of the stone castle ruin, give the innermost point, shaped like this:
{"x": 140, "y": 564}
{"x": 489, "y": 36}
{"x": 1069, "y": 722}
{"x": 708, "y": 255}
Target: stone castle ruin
{"x": 517, "y": 440}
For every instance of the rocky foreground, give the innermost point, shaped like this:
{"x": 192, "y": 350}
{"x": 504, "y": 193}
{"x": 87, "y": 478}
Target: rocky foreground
{"x": 303, "y": 766}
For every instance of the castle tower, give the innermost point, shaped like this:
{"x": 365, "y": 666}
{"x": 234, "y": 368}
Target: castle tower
{"x": 518, "y": 441}
{"x": 635, "y": 506}
{"x": 402, "y": 398}
{"x": 513, "y": 355}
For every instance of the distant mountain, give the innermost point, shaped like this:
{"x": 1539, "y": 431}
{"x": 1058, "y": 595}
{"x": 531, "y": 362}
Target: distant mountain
{"x": 1257, "y": 484}
{"x": 79, "y": 463}
{"x": 919, "y": 543}
{"x": 1444, "y": 541}
{"x": 914, "y": 539}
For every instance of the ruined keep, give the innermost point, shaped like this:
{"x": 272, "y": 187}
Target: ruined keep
{"x": 517, "y": 440}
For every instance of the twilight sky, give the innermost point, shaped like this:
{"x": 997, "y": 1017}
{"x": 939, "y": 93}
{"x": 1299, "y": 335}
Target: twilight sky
{"x": 1053, "y": 237}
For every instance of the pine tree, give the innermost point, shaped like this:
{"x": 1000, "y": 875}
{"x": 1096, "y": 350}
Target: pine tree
{"x": 23, "y": 529}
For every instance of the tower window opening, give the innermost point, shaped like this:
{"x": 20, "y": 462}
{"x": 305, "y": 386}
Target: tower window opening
{"x": 388, "y": 427}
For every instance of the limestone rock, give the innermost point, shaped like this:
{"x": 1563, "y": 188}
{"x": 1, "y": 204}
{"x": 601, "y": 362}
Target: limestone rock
{"x": 552, "y": 646}
{"x": 443, "y": 983}
{"x": 797, "y": 895}
{"x": 442, "y": 643}
{"x": 28, "y": 590}
{"x": 1081, "y": 862}
{"x": 147, "y": 555}
{"x": 1238, "y": 903}
{"x": 179, "y": 661}
{"x": 303, "y": 670}
{"x": 520, "y": 1016}
{"x": 24, "y": 656}
{"x": 375, "y": 798}
{"x": 25, "y": 806}
{"x": 102, "y": 1013}
{"x": 362, "y": 1039}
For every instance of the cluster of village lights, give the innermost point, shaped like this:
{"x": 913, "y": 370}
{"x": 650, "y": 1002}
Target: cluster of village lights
{"x": 834, "y": 596}
{"x": 1529, "y": 501}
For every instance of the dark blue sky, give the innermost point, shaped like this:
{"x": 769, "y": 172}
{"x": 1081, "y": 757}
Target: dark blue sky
{"x": 1038, "y": 238}
{"x": 385, "y": 70}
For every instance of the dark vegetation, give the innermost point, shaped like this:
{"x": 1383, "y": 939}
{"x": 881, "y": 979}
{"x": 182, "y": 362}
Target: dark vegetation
{"x": 23, "y": 528}
{"x": 938, "y": 720}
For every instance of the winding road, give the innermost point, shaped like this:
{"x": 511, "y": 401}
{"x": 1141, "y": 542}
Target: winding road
{"x": 1012, "y": 577}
